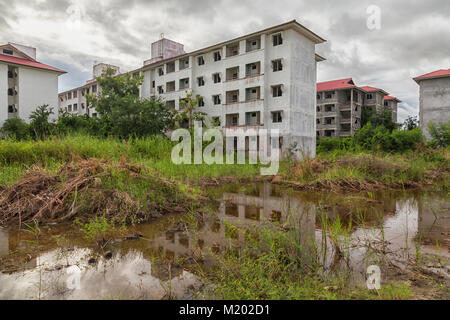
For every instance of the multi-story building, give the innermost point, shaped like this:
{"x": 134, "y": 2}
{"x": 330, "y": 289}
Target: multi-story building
{"x": 74, "y": 101}
{"x": 391, "y": 103}
{"x": 25, "y": 83}
{"x": 340, "y": 104}
{"x": 266, "y": 79}
{"x": 434, "y": 98}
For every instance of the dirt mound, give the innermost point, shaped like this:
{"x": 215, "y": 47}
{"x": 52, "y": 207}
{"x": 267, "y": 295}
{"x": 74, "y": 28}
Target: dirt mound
{"x": 88, "y": 188}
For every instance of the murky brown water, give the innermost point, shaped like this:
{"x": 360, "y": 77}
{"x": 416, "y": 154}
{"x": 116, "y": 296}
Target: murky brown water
{"x": 148, "y": 268}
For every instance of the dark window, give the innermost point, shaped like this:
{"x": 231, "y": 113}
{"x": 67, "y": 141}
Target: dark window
{"x": 277, "y": 65}
{"x": 201, "y": 61}
{"x": 277, "y": 117}
{"x": 94, "y": 88}
{"x": 217, "y": 56}
{"x": 216, "y": 99}
{"x": 201, "y": 81}
{"x": 217, "y": 78}
{"x": 277, "y": 91}
{"x": 161, "y": 71}
{"x": 277, "y": 39}
{"x": 153, "y": 84}
{"x": 201, "y": 102}
{"x": 7, "y": 51}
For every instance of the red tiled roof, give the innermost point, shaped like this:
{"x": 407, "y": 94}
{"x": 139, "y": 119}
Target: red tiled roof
{"x": 336, "y": 84}
{"x": 373, "y": 89}
{"x": 391, "y": 98}
{"x": 28, "y": 63}
{"x": 433, "y": 75}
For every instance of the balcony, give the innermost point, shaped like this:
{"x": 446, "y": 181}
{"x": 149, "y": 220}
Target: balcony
{"x": 232, "y": 97}
{"x": 232, "y": 49}
{"x": 232, "y": 74}
{"x": 253, "y": 44}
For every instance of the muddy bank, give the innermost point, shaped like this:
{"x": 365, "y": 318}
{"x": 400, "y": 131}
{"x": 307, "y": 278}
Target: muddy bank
{"x": 122, "y": 192}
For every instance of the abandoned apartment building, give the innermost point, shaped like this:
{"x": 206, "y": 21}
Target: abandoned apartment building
{"x": 25, "y": 83}
{"x": 340, "y": 104}
{"x": 263, "y": 80}
{"x": 434, "y": 100}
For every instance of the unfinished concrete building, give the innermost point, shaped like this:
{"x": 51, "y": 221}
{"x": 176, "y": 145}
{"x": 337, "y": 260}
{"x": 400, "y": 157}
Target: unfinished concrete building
{"x": 340, "y": 104}
{"x": 434, "y": 98}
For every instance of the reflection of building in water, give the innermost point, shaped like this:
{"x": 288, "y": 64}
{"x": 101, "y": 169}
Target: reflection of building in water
{"x": 434, "y": 220}
{"x": 242, "y": 211}
{"x": 4, "y": 243}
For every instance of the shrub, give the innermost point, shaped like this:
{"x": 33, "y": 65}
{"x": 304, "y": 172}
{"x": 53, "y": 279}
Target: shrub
{"x": 16, "y": 128}
{"x": 440, "y": 134}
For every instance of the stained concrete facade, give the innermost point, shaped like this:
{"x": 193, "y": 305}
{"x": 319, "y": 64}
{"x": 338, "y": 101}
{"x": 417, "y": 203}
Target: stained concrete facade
{"x": 434, "y": 101}
{"x": 265, "y": 80}
{"x": 74, "y": 101}
{"x": 340, "y": 104}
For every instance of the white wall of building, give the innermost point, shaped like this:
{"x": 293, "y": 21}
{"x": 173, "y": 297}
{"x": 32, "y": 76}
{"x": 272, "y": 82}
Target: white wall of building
{"x": 434, "y": 102}
{"x": 298, "y": 80}
{"x": 3, "y": 93}
{"x": 36, "y": 87}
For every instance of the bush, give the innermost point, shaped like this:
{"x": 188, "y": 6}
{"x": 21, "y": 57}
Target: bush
{"x": 440, "y": 134}
{"x": 16, "y": 128}
{"x": 333, "y": 143}
{"x": 372, "y": 138}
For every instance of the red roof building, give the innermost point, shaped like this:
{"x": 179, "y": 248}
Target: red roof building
{"x": 433, "y": 75}
{"x": 25, "y": 83}
{"x": 28, "y": 63}
{"x": 336, "y": 85}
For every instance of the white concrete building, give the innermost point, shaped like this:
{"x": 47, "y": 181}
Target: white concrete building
{"x": 25, "y": 83}
{"x": 74, "y": 101}
{"x": 266, "y": 79}
{"x": 434, "y": 98}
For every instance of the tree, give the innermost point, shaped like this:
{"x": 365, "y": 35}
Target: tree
{"x": 381, "y": 117}
{"x": 440, "y": 133}
{"x": 410, "y": 123}
{"x": 123, "y": 112}
{"x": 39, "y": 122}
{"x": 16, "y": 128}
{"x": 189, "y": 103}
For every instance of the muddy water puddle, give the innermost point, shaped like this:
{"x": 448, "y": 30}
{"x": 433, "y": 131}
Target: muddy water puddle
{"x": 407, "y": 223}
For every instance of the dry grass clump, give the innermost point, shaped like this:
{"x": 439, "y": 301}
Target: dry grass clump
{"x": 119, "y": 191}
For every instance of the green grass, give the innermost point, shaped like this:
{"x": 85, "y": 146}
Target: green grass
{"x": 275, "y": 266}
{"x": 154, "y": 152}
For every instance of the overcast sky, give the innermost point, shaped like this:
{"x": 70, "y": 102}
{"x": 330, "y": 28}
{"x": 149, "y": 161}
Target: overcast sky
{"x": 413, "y": 38}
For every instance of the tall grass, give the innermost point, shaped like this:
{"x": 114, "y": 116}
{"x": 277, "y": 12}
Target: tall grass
{"x": 154, "y": 152}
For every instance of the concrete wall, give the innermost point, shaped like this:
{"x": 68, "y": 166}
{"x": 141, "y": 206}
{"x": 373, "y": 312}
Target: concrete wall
{"x": 434, "y": 102}
{"x": 37, "y": 87}
{"x": 298, "y": 80}
{"x": 303, "y": 94}
{"x": 3, "y": 93}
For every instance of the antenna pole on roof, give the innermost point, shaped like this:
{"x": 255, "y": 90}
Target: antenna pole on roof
{"x": 161, "y": 36}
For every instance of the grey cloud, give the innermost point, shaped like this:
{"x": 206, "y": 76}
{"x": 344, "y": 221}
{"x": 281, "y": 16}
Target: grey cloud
{"x": 404, "y": 47}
